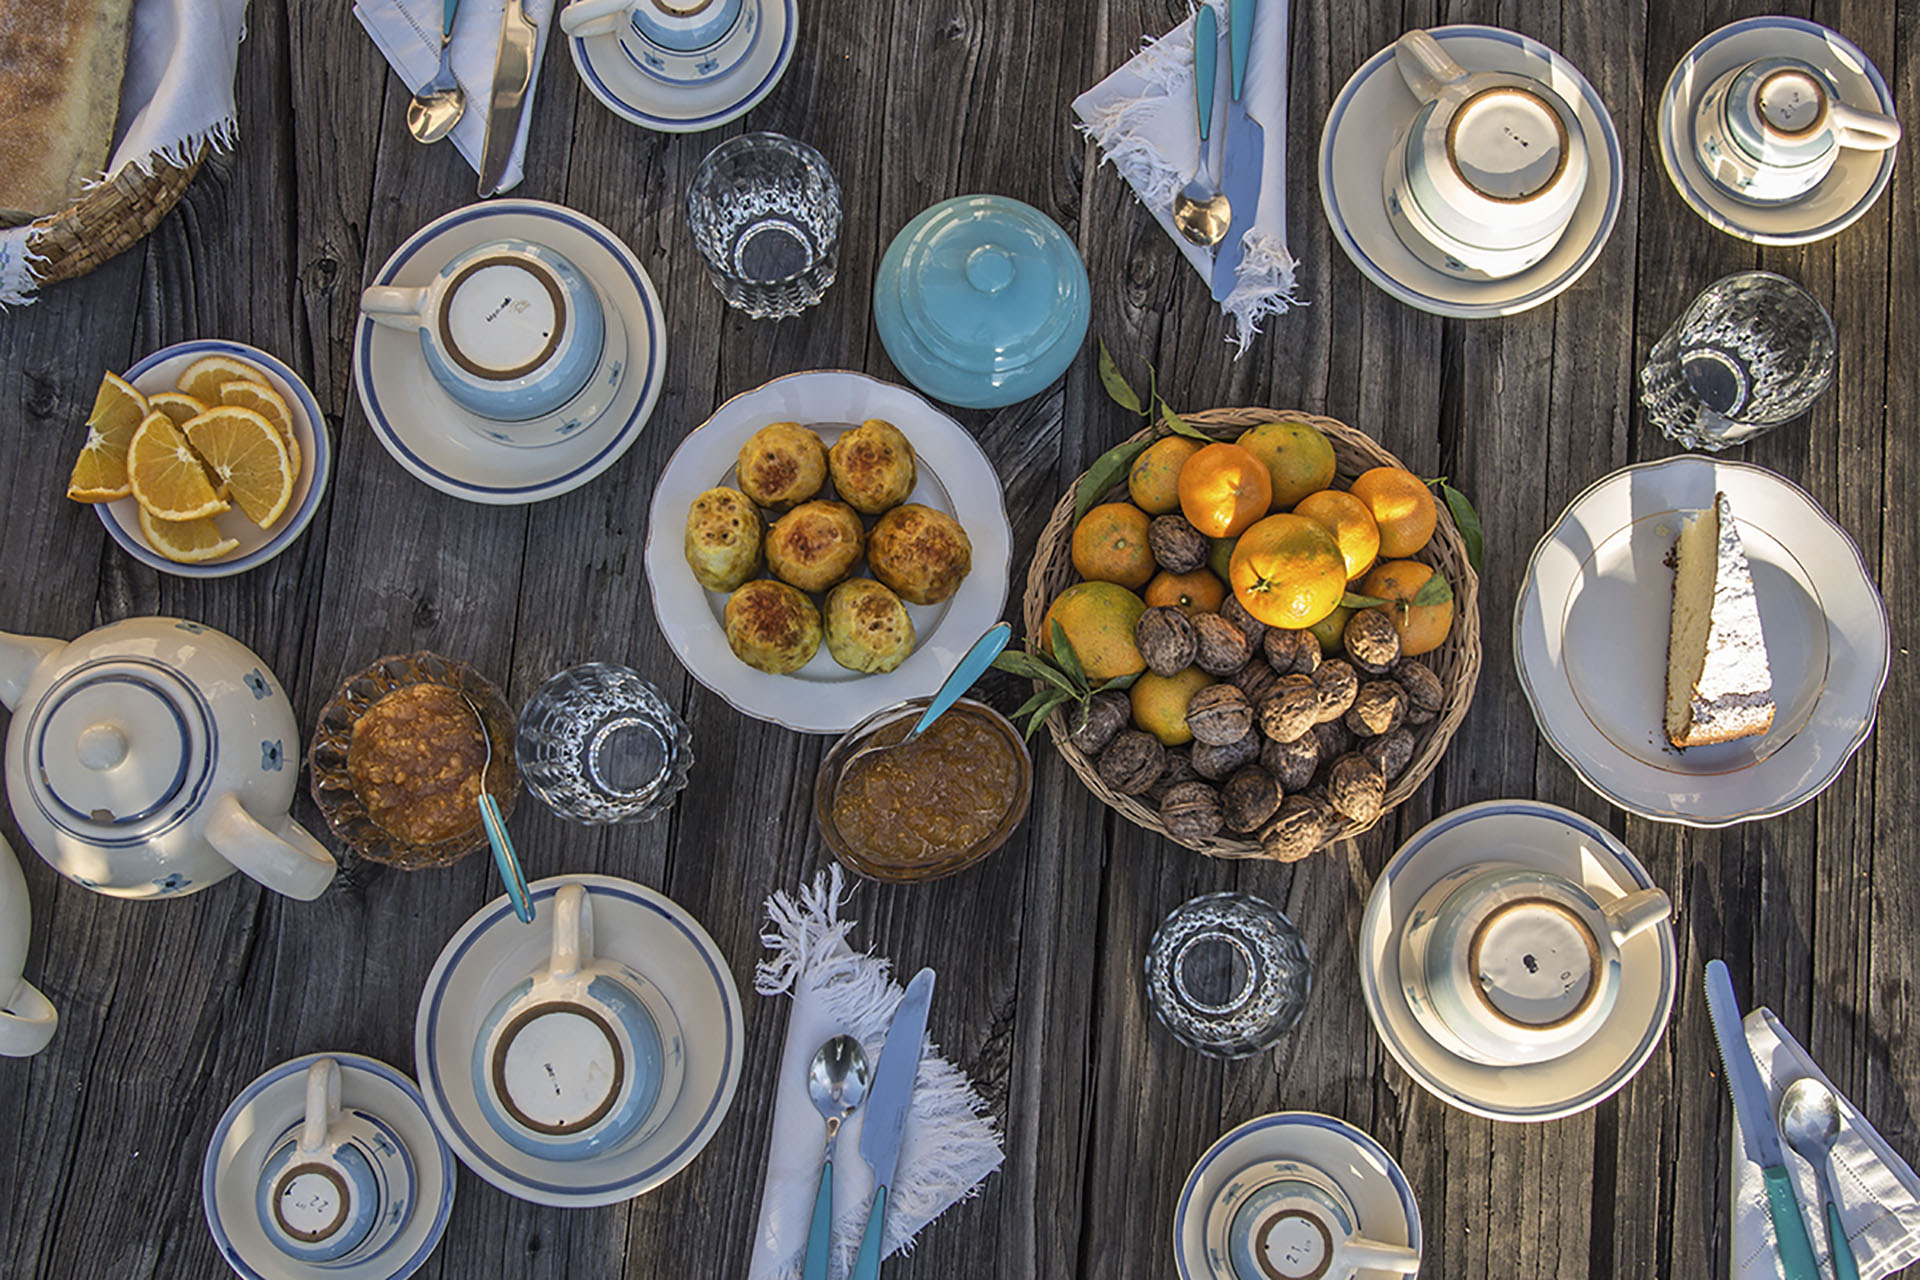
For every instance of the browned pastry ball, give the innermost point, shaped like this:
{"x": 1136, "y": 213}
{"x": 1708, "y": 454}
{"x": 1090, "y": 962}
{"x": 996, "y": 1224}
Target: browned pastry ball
{"x": 867, "y": 627}
{"x": 772, "y": 627}
{"x": 782, "y": 465}
{"x": 816, "y": 545}
{"x": 921, "y": 553}
{"x": 723, "y": 539}
{"x": 873, "y": 467}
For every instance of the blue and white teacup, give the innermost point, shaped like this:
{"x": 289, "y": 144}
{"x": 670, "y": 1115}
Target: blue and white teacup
{"x": 1286, "y": 1220}
{"x": 337, "y": 1187}
{"x": 511, "y": 330}
{"x": 1770, "y": 131}
{"x": 1508, "y": 965}
{"x": 682, "y": 42}
{"x": 581, "y": 1057}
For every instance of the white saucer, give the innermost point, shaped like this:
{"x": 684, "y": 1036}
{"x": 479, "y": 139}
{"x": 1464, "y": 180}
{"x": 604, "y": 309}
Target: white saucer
{"x": 954, "y": 476}
{"x": 615, "y": 76}
{"x": 1372, "y": 110}
{"x": 1590, "y": 642}
{"x": 449, "y": 448}
{"x": 1858, "y": 177}
{"x": 493, "y": 951}
{"x": 265, "y": 1109}
{"x": 1550, "y": 839}
{"x": 1361, "y": 1167}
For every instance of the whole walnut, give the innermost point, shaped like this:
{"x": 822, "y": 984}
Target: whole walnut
{"x": 1390, "y": 752}
{"x": 1301, "y": 826}
{"x": 1423, "y": 687}
{"x": 1333, "y": 738}
{"x": 1291, "y": 652}
{"x": 1251, "y": 627}
{"x": 1219, "y": 763}
{"x": 1223, "y": 647}
{"x": 1379, "y": 707}
{"x": 1291, "y": 763}
{"x": 1336, "y": 682}
{"x": 1290, "y": 710}
{"x": 1096, "y": 721}
{"x": 1417, "y": 716}
{"x": 1132, "y": 762}
{"x": 1166, "y": 639}
{"x": 1256, "y": 680}
{"x": 1250, "y": 797}
{"x": 1191, "y": 811}
{"x": 1178, "y": 769}
{"x": 1372, "y": 642}
{"x": 1356, "y": 787}
{"x": 1177, "y": 546}
{"x": 1219, "y": 714}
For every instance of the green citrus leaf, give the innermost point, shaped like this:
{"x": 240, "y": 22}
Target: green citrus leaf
{"x": 1040, "y": 716}
{"x": 1469, "y": 521}
{"x": 1069, "y": 660}
{"x": 1034, "y": 667}
{"x": 1045, "y": 696}
{"x": 1352, "y": 601}
{"x": 1116, "y": 384}
{"x": 1109, "y": 469}
{"x": 1180, "y": 426}
{"x": 1435, "y": 590}
{"x": 1118, "y": 683}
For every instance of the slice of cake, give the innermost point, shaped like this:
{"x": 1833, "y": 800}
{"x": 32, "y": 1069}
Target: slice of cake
{"x": 1718, "y": 684}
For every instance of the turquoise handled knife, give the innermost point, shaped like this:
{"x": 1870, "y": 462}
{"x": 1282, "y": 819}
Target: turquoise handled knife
{"x": 887, "y": 1112}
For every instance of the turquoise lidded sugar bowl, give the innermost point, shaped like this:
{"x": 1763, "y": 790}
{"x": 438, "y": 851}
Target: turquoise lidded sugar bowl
{"x": 981, "y": 301}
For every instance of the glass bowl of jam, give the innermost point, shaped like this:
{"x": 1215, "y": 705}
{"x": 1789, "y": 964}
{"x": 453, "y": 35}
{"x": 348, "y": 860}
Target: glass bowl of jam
{"x": 929, "y": 808}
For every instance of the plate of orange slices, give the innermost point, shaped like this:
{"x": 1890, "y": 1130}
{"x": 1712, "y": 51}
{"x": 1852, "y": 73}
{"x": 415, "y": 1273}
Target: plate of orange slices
{"x": 206, "y": 460}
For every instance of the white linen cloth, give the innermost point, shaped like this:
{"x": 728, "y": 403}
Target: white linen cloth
{"x": 947, "y": 1147}
{"x": 175, "y": 95}
{"x": 1142, "y": 116}
{"x": 407, "y": 33}
{"x": 1875, "y": 1190}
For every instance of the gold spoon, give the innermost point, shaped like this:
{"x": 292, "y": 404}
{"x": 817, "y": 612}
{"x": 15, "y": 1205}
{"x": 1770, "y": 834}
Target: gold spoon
{"x": 440, "y": 103}
{"x": 1199, "y": 209}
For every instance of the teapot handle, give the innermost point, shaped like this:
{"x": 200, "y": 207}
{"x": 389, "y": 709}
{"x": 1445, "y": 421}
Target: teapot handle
{"x": 288, "y": 860}
{"x": 593, "y": 17}
{"x": 20, "y": 657}
{"x": 27, "y": 1021}
{"x": 1426, "y": 67}
{"x": 1865, "y": 130}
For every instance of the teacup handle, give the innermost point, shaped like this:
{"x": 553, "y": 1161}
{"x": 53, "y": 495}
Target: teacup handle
{"x": 1863, "y": 129}
{"x": 27, "y": 1021}
{"x": 323, "y": 1106}
{"x": 1425, "y": 66}
{"x": 1635, "y": 913}
{"x": 1360, "y": 1253}
{"x": 394, "y": 307}
{"x": 593, "y": 17}
{"x": 572, "y": 931}
{"x": 288, "y": 860}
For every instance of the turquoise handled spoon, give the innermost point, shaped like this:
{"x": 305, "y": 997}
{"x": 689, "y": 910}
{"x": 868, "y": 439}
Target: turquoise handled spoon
{"x": 971, "y": 667}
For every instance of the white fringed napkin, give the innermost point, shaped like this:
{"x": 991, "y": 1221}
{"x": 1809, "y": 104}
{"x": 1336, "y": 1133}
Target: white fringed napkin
{"x": 1142, "y": 117}
{"x": 947, "y": 1148}
{"x": 1875, "y": 1190}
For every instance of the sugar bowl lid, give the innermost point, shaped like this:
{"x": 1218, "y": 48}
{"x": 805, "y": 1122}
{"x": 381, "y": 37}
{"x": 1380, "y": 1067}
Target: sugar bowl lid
{"x": 981, "y": 301}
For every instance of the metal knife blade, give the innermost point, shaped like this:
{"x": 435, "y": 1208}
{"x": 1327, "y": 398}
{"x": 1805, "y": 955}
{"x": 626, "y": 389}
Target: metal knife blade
{"x": 886, "y": 1110}
{"x": 512, "y": 74}
{"x": 1757, "y": 1132}
{"x": 1242, "y": 156}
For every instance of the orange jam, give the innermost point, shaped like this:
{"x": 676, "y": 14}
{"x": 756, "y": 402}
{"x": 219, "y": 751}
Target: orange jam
{"x": 929, "y": 801}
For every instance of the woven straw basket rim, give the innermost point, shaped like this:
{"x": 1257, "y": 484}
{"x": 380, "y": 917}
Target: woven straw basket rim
{"x": 108, "y": 220}
{"x": 1456, "y": 662}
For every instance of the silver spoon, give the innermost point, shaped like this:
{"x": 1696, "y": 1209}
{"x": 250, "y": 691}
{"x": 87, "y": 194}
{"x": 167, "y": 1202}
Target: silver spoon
{"x": 1810, "y": 1122}
{"x": 440, "y": 103}
{"x": 971, "y": 666}
{"x": 837, "y": 1083}
{"x": 1199, "y": 209}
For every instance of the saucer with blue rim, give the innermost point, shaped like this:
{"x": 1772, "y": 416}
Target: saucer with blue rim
{"x": 612, "y": 68}
{"x": 1376, "y": 105}
{"x": 1857, "y": 177}
{"x": 467, "y": 456}
{"x": 1366, "y": 1175}
{"x": 634, "y": 926}
{"x": 256, "y": 1121}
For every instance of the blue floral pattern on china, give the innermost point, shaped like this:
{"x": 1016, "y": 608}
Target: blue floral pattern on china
{"x": 256, "y": 680}
{"x": 192, "y": 628}
{"x": 172, "y": 883}
{"x": 272, "y": 758}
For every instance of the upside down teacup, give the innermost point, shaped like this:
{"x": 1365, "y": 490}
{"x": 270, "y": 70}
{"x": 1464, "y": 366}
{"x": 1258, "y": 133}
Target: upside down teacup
{"x": 581, "y": 1057}
{"x": 338, "y": 1186}
{"x": 1771, "y": 130}
{"x": 1287, "y": 1220}
{"x": 1509, "y": 965}
{"x": 683, "y": 42}
{"x": 1485, "y": 179}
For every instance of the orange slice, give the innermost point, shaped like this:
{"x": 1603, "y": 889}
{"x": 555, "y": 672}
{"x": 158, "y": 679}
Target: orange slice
{"x": 177, "y": 405}
{"x": 246, "y": 452}
{"x": 203, "y": 377}
{"x": 167, "y": 476}
{"x": 186, "y": 541}
{"x": 266, "y": 402}
{"x": 100, "y": 472}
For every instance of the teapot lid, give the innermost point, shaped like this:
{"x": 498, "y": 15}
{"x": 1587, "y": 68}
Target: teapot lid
{"x": 982, "y": 301}
{"x": 118, "y": 750}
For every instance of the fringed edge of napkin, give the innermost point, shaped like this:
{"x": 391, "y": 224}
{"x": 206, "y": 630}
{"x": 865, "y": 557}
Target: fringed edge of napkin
{"x": 808, "y": 941}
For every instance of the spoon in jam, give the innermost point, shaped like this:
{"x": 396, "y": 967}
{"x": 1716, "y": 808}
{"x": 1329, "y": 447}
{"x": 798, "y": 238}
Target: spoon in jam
{"x": 972, "y": 666}
{"x": 504, "y": 856}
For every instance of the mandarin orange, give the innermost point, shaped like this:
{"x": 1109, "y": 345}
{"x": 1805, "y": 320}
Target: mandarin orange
{"x": 1224, "y": 489}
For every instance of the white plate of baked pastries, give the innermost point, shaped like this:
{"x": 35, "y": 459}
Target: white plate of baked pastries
{"x": 1713, "y": 603}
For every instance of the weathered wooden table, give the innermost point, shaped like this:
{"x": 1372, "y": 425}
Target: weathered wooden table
{"x": 168, "y": 1009}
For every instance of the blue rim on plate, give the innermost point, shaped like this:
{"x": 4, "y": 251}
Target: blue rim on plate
{"x": 293, "y": 524}
{"x": 610, "y": 97}
{"x": 210, "y": 1167}
{"x": 431, "y": 1062}
{"x": 1413, "y": 297}
{"x": 1294, "y": 1120}
{"x": 547, "y": 487}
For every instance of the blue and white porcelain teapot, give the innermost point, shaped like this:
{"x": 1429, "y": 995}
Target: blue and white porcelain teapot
{"x": 154, "y": 757}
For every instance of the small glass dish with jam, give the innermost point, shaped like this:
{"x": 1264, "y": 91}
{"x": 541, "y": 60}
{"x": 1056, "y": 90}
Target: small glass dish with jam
{"x": 930, "y": 808}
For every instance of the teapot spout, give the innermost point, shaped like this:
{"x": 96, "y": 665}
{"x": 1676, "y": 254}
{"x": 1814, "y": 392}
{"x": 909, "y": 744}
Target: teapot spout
{"x": 20, "y": 657}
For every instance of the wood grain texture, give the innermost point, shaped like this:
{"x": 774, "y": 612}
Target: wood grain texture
{"x": 169, "y": 1009}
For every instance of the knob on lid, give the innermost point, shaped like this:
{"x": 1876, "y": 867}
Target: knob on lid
{"x": 118, "y": 749}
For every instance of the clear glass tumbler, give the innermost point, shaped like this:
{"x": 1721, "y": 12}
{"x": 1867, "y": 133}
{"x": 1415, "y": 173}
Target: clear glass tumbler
{"x": 1228, "y": 974}
{"x": 765, "y": 214}
{"x": 598, "y": 745}
{"x": 1751, "y": 352}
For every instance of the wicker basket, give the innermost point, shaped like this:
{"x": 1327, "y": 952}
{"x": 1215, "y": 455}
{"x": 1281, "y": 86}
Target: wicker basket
{"x": 108, "y": 220}
{"x": 1456, "y": 662}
